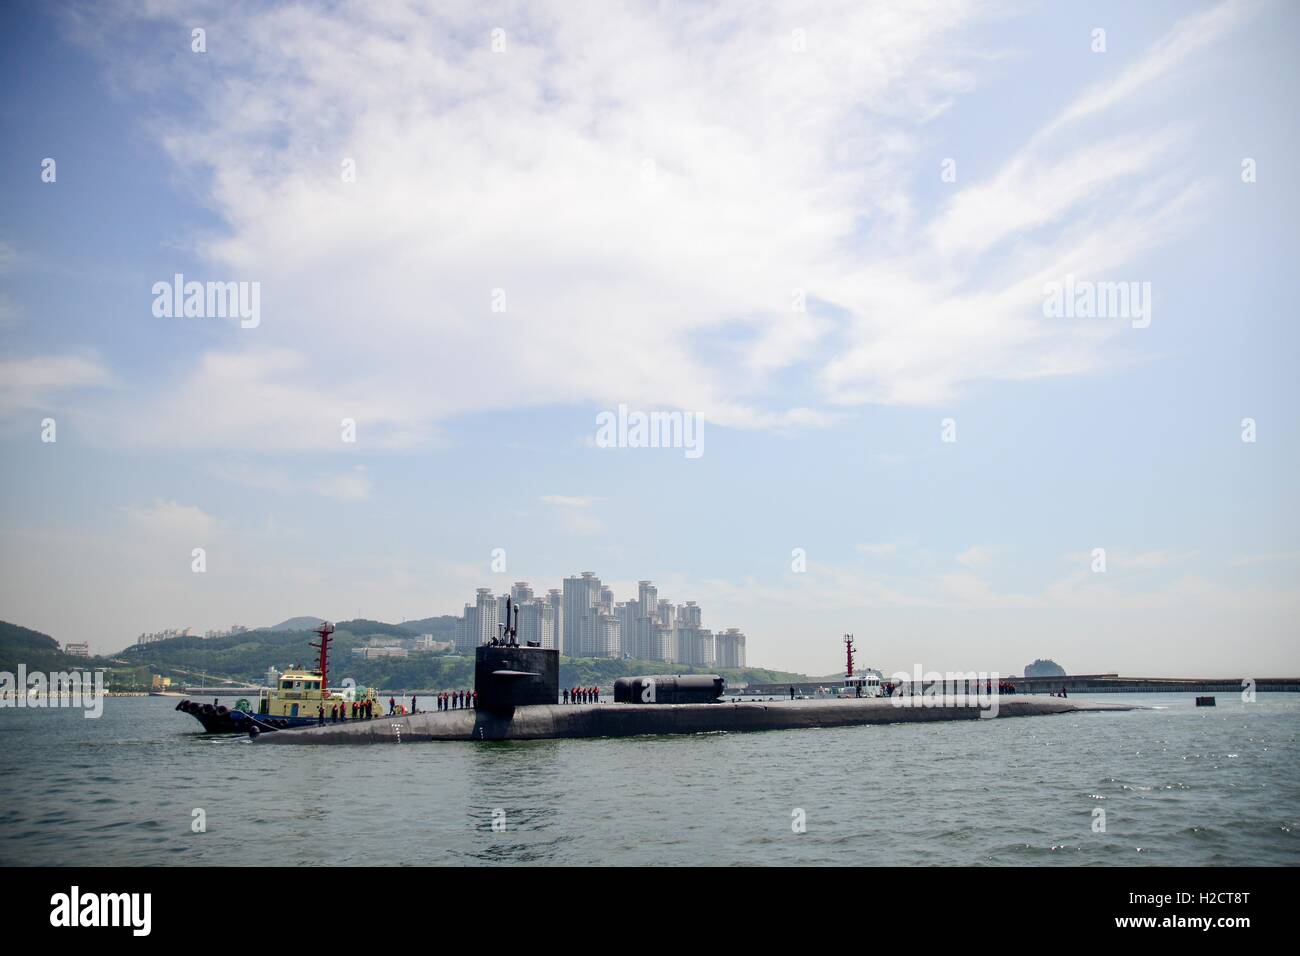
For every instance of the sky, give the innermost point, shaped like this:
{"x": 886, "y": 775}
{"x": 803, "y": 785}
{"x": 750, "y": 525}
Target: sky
{"x": 828, "y": 232}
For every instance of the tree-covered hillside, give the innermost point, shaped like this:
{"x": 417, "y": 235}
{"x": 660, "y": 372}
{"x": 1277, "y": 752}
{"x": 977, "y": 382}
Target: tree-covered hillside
{"x": 247, "y": 656}
{"x": 39, "y": 652}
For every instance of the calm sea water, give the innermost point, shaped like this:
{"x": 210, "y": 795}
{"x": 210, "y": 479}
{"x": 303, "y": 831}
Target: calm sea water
{"x": 1179, "y": 785}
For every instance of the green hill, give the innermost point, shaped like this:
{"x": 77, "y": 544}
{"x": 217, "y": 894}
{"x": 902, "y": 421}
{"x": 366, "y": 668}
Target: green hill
{"x": 443, "y": 627}
{"x": 364, "y": 628}
{"x": 246, "y": 657}
{"x": 296, "y": 624}
{"x": 40, "y": 652}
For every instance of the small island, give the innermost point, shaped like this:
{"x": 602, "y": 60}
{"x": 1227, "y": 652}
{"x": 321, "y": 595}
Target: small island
{"x": 1044, "y": 668}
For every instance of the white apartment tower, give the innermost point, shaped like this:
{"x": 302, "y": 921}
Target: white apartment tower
{"x": 581, "y": 600}
{"x": 694, "y": 641}
{"x": 485, "y": 616}
{"x": 555, "y": 598}
{"x": 599, "y": 635}
{"x": 467, "y": 630}
{"x": 627, "y": 612}
{"x": 648, "y": 598}
{"x": 730, "y": 648}
{"x": 537, "y": 623}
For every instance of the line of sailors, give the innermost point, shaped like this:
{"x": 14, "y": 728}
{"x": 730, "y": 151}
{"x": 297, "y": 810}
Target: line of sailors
{"x": 463, "y": 699}
{"x": 457, "y": 699}
{"x": 340, "y": 710}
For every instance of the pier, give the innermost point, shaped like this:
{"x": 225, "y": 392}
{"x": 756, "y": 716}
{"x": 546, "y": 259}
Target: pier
{"x": 1074, "y": 684}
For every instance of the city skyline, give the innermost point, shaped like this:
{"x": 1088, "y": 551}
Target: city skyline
{"x": 646, "y": 628}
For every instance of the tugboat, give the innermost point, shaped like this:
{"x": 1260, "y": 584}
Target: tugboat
{"x": 857, "y": 685}
{"x": 297, "y": 700}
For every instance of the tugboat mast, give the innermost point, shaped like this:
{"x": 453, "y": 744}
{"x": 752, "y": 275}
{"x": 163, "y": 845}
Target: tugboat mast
{"x": 325, "y": 630}
{"x": 848, "y": 651}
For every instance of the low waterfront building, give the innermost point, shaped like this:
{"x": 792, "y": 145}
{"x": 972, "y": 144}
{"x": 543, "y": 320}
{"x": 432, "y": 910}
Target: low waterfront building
{"x": 370, "y": 653}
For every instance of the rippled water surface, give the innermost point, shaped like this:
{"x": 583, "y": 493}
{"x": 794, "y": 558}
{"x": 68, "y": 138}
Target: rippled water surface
{"x": 1179, "y": 785}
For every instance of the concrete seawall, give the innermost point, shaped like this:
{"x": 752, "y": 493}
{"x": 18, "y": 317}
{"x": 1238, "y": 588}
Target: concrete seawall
{"x": 547, "y": 721}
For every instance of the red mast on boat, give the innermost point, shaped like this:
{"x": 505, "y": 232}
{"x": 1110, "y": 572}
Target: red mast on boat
{"x": 848, "y": 652}
{"x": 325, "y": 630}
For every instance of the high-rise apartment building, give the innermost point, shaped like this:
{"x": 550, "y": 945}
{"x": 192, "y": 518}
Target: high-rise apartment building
{"x": 694, "y": 641}
{"x": 729, "y": 648}
{"x": 537, "y": 623}
{"x": 555, "y": 598}
{"x": 581, "y": 600}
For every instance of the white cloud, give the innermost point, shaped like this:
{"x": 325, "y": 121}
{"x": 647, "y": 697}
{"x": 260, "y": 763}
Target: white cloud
{"x": 649, "y": 192}
{"x": 44, "y": 382}
{"x": 964, "y": 304}
{"x": 568, "y": 501}
{"x": 353, "y": 485}
{"x": 530, "y": 172}
{"x": 267, "y": 399}
{"x": 172, "y": 520}
{"x": 1118, "y": 559}
{"x": 877, "y": 550}
{"x": 977, "y": 557}
{"x": 574, "y": 512}
{"x": 1246, "y": 560}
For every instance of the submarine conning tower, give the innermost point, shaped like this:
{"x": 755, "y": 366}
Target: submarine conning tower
{"x": 509, "y": 675}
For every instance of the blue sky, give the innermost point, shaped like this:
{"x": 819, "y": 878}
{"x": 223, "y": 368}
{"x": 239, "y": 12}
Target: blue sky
{"x": 650, "y": 188}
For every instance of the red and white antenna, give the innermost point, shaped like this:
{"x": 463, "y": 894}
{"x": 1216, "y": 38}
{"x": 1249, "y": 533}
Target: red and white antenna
{"x": 325, "y": 630}
{"x": 848, "y": 653}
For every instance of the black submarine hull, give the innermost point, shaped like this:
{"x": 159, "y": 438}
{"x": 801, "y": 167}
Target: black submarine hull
{"x": 558, "y": 721}
{"x": 518, "y": 687}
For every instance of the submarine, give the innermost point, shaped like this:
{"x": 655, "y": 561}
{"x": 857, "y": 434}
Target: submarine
{"x": 518, "y": 689}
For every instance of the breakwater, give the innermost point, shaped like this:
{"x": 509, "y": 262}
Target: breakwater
{"x": 1073, "y": 684}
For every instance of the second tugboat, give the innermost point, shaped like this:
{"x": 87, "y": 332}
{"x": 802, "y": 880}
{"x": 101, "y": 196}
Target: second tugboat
{"x": 857, "y": 685}
{"x": 299, "y": 699}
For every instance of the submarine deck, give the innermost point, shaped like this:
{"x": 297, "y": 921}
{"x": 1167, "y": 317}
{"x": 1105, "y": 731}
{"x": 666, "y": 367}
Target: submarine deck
{"x": 549, "y": 721}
